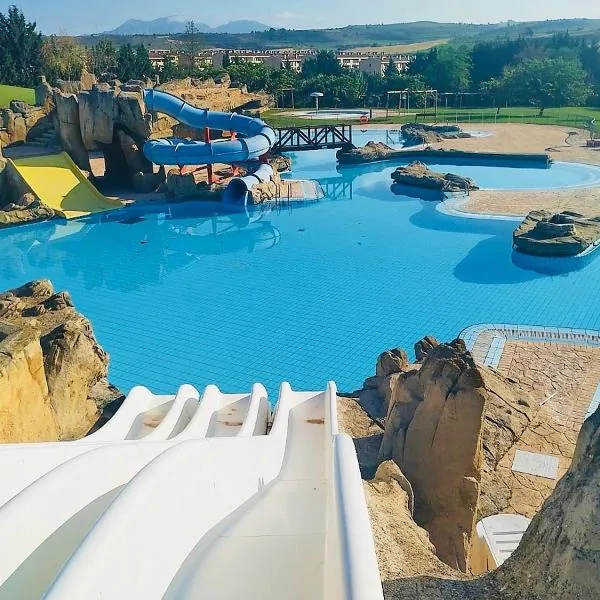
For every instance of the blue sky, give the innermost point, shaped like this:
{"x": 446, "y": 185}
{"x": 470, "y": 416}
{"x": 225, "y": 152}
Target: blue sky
{"x": 89, "y": 16}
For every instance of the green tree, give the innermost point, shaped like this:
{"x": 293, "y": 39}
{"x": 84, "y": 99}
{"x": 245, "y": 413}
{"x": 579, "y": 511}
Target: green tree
{"x": 324, "y": 63}
{"x": 226, "y": 60}
{"x": 391, "y": 70}
{"x": 143, "y": 66}
{"x": 126, "y": 63}
{"x": 544, "y": 83}
{"x": 20, "y": 49}
{"x": 192, "y": 43}
{"x": 62, "y": 58}
{"x": 445, "y": 68}
{"x": 103, "y": 57}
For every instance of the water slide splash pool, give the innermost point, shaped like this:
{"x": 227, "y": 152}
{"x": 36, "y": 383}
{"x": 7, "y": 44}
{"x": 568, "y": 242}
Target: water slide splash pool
{"x": 256, "y": 139}
{"x": 217, "y": 508}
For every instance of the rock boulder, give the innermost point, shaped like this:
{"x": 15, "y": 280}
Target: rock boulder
{"x": 563, "y": 234}
{"x": 52, "y": 370}
{"x": 441, "y": 414}
{"x": 418, "y": 174}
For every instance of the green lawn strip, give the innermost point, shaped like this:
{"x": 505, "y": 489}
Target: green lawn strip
{"x": 8, "y": 93}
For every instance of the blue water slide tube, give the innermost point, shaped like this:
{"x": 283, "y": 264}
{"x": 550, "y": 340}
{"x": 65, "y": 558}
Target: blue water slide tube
{"x": 257, "y": 137}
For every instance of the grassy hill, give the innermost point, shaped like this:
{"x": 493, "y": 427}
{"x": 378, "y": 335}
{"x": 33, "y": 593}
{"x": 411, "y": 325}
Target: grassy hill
{"x": 8, "y": 93}
{"x": 372, "y": 36}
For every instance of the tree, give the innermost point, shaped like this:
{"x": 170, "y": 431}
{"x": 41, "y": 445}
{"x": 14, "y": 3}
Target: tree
{"x": 20, "y": 49}
{"x": 226, "y": 60}
{"x": 544, "y": 83}
{"x": 143, "y": 66}
{"x": 324, "y": 63}
{"x": 62, "y": 58}
{"x": 391, "y": 70}
{"x": 103, "y": 57}
{"x": 192, "y": 43}
{"x": 445, "y": 68}
{"x": 126, "y": 63}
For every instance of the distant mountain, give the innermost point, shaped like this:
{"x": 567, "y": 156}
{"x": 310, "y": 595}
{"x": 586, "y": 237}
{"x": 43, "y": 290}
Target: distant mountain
{"x": 166, "y": 25}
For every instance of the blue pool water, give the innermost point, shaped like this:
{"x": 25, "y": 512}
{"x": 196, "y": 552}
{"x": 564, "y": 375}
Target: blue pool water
{"x": 303, "y": 293}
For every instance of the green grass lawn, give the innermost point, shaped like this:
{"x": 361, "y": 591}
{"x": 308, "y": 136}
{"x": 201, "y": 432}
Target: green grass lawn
{"x": 568, "y": 117}
{"x": 9, "y": 92}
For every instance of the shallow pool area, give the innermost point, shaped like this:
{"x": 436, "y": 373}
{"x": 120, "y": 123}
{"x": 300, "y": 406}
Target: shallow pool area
{"x": 185, "y": 293}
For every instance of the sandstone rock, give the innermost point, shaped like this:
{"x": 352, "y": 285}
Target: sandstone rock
{"x": 58, "y": 301}
{"x": 403, "y": 548}
{"x": 27, "y": 200}
{"x": 69, "y": 87}
{"x": 424, "y": 346}
{"x": 43, "y": 92}
{"x": 87, "y": 80}
{"x": 435, "y": 430}
{"x": 366, "y": 433}
{"x": 10, "y": 306}
{"x": 41, "y": 288}
{"x": 133, "y": 154}
{"x": 420, "y": 133}
{"x": 18, "y": 216}
{"x": 559, "y": 555}
{"x": 418, "y": 174}
{"x": 26, "y": 413}
{"x": 564, "y": 234}
{"x": 73, "y": 363}
{"x": 97, "y": 116}
{"x": 19, "y": 107}
{"x": 391, "y": 361}
{"x": 371, "y": 152}
{"x": 131, "y": 114}
{"x": 66, "y": 386}
{"x": 69, "y": 128}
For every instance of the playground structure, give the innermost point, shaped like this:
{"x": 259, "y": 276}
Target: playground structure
{"x": 182, "y": 497}
{"x": 256, "y": 140}
{"x": 404, "y": 97}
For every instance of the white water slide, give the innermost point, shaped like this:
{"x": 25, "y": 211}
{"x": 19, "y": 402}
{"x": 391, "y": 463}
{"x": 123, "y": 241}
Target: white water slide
{"x": 178, "y": 497}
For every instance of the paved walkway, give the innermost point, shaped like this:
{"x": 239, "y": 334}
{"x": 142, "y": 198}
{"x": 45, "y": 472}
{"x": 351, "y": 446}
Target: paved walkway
{"x": 563, "y": 379}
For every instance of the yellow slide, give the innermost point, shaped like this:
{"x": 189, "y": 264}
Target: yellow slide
{"x": 57, "y": 181}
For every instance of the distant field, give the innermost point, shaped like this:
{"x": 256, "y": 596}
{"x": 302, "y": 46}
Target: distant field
{"x": 403, "y": 48}
{"x": 8, "y": 93}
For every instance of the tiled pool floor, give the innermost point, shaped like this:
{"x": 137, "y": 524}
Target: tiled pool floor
{"x": 303, "y": 293}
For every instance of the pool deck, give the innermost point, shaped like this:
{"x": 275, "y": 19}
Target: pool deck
{"x": 562, "y": 143}
{"x": 563, "y": 378}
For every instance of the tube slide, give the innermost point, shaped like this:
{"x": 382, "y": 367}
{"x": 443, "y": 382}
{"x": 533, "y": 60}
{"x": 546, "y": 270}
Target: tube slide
{"x": 256, "y": 139}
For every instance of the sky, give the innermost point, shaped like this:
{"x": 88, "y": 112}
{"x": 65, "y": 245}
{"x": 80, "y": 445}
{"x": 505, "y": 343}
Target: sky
{"x": 76, "y": 17}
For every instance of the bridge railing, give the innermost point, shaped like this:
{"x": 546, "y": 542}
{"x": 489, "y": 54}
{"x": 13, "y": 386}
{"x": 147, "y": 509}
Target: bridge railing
{"x": 313, "y": 137}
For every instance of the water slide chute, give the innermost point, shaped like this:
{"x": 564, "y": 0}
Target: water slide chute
{"x": 256, "y": 139}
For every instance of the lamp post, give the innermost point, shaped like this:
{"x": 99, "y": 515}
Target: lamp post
{"x": 316, "y": 96}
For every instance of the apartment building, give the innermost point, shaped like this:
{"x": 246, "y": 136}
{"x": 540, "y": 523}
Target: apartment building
{"x": 366, "y": 62}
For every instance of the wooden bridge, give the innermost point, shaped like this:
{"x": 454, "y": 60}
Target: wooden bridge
{"x": 318, "y": 137}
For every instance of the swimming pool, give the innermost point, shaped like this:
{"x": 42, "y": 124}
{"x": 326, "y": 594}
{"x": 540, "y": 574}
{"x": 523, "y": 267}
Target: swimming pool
{"x": 304, "y": 293}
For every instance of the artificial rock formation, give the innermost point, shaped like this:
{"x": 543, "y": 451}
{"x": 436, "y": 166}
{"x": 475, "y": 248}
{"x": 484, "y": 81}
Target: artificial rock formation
{"x": 418, "y": 174}
{"x": 563, "y": 234}
{"x": 448, "y": 424}
{"x": 371, "y": 152}
{"x": 420, "y": 133}
{"x": 558, "y": 556}
{"x": 52, "y": 370}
